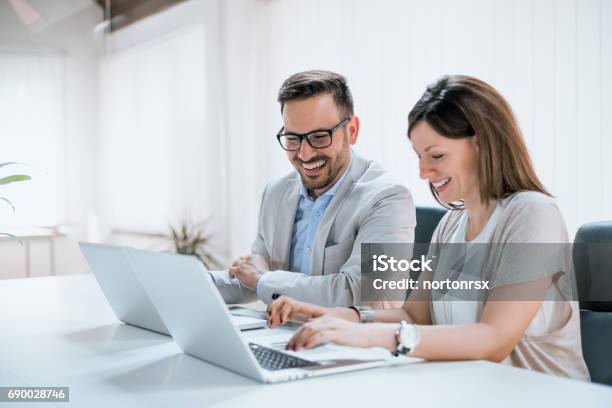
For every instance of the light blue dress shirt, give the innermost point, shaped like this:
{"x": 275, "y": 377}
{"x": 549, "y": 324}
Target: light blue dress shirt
{"x": 307, "y": 218}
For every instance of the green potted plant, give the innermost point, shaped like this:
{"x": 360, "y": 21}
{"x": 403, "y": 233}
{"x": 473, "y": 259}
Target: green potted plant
{"x": 192, "y": 239}
{"x": 8, "y": 180}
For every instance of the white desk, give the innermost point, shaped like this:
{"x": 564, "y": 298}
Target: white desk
{"x": 59, "y": 331}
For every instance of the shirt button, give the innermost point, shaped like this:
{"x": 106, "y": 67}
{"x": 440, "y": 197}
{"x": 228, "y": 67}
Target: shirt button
{"x": 308, "y": 248}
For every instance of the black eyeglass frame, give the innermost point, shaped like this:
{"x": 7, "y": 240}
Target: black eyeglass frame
{"x": 306, "y": 136}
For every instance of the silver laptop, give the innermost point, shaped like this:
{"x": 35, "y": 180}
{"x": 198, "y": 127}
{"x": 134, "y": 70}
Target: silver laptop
{"x": 200, "y": 323}
{"x": 128, "y": 298}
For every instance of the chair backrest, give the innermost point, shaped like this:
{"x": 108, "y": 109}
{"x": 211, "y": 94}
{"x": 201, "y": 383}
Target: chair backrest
{"x": 596, "y": 333}
{"x": 592, "y": 253}
{"x": 427, "y": 221}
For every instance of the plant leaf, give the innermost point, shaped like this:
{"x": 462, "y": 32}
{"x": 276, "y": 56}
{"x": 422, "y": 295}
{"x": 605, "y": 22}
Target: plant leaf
{"x": 8, "y": 202}
{"x": 8, "y": 164}
{"x": 14, "y": 178}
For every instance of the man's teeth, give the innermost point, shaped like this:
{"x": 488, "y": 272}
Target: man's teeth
{"x": 315, "y": 165}
{"x": 441, "y": 183}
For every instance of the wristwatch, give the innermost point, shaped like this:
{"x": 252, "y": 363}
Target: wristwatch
{"x": 366, "y": 315}
{"x": 407, "y": 337}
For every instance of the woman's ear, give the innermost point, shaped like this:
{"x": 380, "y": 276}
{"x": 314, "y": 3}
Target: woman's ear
{"x": 474, "y": 141}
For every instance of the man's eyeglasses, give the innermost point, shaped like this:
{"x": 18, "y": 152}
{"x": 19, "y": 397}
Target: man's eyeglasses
{"x": 317, "y": 139}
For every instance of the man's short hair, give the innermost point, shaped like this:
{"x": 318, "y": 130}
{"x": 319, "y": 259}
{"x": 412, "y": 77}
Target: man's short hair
{"x": 307, "y": 84}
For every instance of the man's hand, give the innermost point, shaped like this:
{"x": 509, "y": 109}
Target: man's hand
{"x": 248, "y": 269}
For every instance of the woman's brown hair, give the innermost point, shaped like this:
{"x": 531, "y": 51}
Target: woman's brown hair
{"x": 460, "y": 106}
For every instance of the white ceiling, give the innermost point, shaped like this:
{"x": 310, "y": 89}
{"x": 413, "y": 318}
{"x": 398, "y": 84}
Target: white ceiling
{"x": 51, "y": 11}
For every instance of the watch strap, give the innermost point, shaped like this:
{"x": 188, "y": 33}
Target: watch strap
{"x": 366, "y": 315}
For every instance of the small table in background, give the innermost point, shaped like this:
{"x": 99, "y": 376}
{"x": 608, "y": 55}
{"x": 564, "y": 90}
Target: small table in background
{"x": 27, "y": 235}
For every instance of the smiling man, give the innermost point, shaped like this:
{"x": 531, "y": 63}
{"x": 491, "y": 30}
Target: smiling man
{"x": 313, "y": 221}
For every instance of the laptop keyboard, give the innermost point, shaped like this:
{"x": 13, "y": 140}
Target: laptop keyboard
{"x": 271, "y": 359}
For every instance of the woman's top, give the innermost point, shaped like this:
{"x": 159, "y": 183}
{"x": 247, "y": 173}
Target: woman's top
{"x": 523, "y": 241}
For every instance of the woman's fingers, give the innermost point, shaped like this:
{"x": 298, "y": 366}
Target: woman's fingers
{"x": 275, "y": 310}
{"x": 272, "y": 312}
{"x": 285, "y": 312}
{"x": 285, "y": 308}
{"x": 298, "y": 338}
{"x": 310, "y": 337}
{"x": 321, "y": 337}
{"x": 309, "y": 333}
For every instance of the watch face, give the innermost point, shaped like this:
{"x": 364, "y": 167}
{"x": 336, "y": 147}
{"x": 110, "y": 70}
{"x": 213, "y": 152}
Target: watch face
{"x": 408, "y": 336}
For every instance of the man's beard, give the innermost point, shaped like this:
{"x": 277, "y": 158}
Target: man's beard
{"x": 332, "y": 168}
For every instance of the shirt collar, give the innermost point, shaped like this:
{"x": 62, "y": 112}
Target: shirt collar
{"x": 335, "y": 187}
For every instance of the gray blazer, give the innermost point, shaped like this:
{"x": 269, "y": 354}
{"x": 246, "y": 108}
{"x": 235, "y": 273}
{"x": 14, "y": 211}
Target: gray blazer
{"x": 368, "y": 207}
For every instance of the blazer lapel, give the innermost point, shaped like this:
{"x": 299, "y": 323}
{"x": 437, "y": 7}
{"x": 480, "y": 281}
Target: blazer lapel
{"x": 285, "y": 217}
{"x": 358, "y": 167}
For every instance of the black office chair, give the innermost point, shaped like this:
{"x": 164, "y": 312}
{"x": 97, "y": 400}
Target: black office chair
{"x": 592, "y": 252}
{"x": 427, "y": 221}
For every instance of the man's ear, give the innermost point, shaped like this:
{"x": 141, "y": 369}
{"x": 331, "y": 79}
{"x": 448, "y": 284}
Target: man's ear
{"x": 352, "y": 128}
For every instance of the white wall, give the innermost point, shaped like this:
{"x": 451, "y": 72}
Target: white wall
{"x": 49, "y": 110}
{"x": 162, "y": 129}
{"x": 551, "y": 59}
{"x": 50, "y": 77}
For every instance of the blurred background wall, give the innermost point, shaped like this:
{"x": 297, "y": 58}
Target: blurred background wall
{"x": 173, "y": 116}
